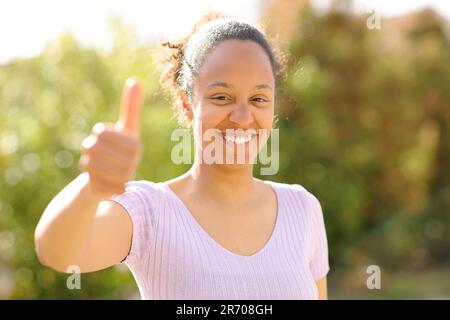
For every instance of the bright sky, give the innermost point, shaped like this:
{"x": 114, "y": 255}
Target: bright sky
{"x": 27, "y": 25}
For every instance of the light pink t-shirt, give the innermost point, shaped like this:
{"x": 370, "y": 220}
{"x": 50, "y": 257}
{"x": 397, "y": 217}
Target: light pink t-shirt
{"x": 173, "y": 257}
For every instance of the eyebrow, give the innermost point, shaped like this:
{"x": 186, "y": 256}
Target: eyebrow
{"x": 230, "y": 86}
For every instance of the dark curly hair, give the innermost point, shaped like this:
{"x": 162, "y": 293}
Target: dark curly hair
{"x": 180, "y": 61}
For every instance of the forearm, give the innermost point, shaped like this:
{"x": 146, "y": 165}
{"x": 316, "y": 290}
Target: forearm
{"x": 64, "y": 226}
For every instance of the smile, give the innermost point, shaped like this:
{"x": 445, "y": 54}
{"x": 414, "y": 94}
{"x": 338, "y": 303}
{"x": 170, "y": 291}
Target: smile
{"x": 238, "y": 139}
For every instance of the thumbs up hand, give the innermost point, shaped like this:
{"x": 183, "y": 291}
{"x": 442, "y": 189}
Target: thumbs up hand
{"x": 131, "y": 107}
{"x": 110, "y": 155}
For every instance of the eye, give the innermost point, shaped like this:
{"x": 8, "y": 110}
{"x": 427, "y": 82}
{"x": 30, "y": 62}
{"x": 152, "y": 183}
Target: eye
{"x": 260, "y": 100}
{"x": 221, "y": 99}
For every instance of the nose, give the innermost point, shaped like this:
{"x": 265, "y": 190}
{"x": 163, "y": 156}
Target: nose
{"x": 241, "y": 116}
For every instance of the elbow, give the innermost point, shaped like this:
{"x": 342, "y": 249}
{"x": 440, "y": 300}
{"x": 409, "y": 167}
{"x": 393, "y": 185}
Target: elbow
{"x": 38, "y": 247}
{"x": 44, "y": 257}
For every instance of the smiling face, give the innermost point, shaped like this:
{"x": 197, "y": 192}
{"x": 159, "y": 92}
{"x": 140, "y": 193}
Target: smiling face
{"x": 234, "y": 90}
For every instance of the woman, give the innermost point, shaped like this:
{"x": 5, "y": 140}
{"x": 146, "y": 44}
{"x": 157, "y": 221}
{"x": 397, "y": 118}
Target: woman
{"x": 215, "y": 232}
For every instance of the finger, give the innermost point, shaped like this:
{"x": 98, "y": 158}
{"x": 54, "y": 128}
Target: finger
{"x": 108, "y": 133}
{"x": 131, "y": 106}
{"x": 127, "y": 143}
{"x": 109, "y": 156}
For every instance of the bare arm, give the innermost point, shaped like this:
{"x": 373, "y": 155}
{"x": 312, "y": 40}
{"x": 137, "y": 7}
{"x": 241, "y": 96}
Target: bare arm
{"x": 322, "y": 288}
{"x": 77, "y": 227}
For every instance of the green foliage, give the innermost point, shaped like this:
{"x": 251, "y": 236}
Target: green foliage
{"x": 369, "y": 113}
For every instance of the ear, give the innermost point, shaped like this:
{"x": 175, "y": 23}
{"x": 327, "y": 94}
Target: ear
{"x": 187, "y": 106}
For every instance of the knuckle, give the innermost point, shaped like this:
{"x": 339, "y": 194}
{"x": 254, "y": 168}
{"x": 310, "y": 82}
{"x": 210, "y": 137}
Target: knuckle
{"x": 88, "y": 143}
{"x": 95, "y": 150}
{"x": 99, "y": 128}
{"x": 101, "y": 136}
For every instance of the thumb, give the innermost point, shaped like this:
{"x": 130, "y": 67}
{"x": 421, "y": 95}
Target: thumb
{"x": 130, "y": 106}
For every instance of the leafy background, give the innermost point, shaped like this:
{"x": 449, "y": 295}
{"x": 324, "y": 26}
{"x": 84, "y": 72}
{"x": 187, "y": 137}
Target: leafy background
{"x": 364, "y": 119}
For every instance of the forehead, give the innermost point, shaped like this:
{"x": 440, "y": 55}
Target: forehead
{"x": 236, "y": 61}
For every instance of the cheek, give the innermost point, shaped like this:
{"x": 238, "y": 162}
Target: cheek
{"x": 264, "y": 117}
{"x": 207, "y": 117}
{"x": 210, "y": 116}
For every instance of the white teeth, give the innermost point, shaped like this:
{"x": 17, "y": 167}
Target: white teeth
{"x": 229, "y": 138}
{"x": 238, "y": 139}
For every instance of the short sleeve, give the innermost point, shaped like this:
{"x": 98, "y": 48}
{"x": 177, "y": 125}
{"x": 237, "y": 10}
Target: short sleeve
{"x": 319, "y": 263}
{"x": 136, "y": 201}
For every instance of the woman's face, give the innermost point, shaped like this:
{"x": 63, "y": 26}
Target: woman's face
{"x": 234, "y": 90}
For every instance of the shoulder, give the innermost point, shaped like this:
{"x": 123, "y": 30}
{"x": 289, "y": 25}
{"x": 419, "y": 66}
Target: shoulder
{"x": 143, "y": 200}
{"x": 144, "y": 189}
{"x": 139, "y": 195}
{"x": 298, "y": 197}
{"x": 295, "y": 190}
{"x": 141, "y": 185}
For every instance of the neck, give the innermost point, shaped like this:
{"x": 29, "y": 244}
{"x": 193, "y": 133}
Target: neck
{"x": 223, "y": 183}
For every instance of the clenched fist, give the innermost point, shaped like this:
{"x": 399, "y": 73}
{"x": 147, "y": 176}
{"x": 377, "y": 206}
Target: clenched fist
{"x": 110, "y": 155}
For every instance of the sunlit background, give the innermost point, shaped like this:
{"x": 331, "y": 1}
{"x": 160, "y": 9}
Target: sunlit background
{"x": 26, "y": 26}
{"x": 364, "y": 124}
